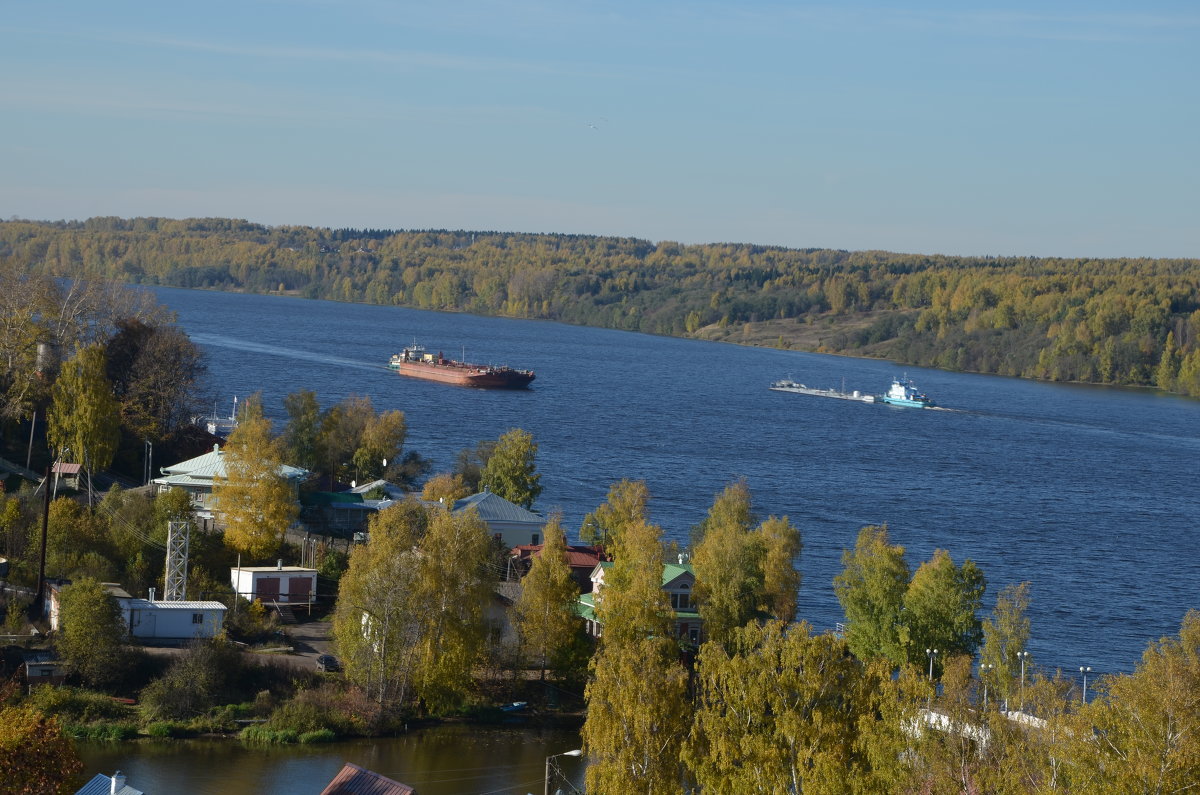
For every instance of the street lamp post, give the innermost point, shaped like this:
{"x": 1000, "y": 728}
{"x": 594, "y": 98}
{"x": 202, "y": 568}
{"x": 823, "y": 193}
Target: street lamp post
{"x": 1085, "y": 670}
{"x": 931, "y": 653}
{"x": 984, "y": 670}
{"x": 549, "y": 764}
{"x": 1022, "y": 656}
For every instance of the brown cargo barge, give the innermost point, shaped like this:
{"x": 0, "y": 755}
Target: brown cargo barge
{"x": 414, "y": 361}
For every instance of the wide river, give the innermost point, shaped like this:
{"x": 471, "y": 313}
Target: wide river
{"x": 1091, "y": 494}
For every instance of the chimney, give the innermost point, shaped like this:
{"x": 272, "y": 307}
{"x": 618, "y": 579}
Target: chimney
{"x": 279, "y": 564}
{"x": 118, "y": 783}
{"x": 151, "y": 595}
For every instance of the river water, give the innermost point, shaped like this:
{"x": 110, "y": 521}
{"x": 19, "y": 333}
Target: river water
{"x": 1089, "y": 493}
{"x": 443, "y": 760}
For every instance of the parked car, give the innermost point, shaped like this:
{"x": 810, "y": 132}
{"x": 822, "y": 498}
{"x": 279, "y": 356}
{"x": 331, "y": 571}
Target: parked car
{"x": 328, "y": 663}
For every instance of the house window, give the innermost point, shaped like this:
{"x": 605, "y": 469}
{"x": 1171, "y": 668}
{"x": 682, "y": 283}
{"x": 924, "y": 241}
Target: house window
{"x": 681, "y": 601}
{"x": 197, "y": 618}
{"x": 535, "y": 540}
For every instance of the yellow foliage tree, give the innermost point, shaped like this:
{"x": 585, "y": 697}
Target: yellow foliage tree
{"x": 255, "y": 501}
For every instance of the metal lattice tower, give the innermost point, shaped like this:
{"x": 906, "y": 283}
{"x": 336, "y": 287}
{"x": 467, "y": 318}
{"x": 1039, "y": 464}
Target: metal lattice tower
{"x": 178, "y": 534}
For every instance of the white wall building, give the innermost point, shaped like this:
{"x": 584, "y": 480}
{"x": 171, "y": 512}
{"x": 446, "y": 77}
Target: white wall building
{"x": 196, "y": 477}
{"x": 151, "y": 620}
{"x": 279, "y": 583}
{"x": 515, "y": 525}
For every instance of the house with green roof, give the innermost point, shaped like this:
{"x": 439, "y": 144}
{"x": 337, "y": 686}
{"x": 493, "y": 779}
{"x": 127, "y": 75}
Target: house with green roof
{"x": 678, "y": 580}
{"x": 196, "y": 475}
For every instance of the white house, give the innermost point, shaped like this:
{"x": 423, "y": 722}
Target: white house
{"x": 196, "y": 475}
{"x": 512, "y": 523}
{"x": 678, "y": 580}
{"x": 278, "y": 583}
{"x": 152, "y": 620}
{"x": 148, "y": 619}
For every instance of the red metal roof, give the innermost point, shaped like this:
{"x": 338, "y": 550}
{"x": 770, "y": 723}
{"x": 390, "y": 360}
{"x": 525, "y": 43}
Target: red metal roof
{"x": 578, "y": 556}
{"x": 355, "y": 780}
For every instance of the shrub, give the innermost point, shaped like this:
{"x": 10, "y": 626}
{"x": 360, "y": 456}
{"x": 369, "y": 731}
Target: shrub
{"x": 166, "y": 728}
{"x": 76, "y": 705}
{"x": 344, "y": 711}
{"x": 206, "y": 675}
{"x": 250, "y": 622}
{"x": 319, "y": 736}
{"x": 263, "y": 734}
{"x": 101, "y": 732}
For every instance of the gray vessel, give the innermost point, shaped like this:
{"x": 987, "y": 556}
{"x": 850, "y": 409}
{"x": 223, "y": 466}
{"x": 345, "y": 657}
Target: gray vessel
{"x": 788, "y": 385}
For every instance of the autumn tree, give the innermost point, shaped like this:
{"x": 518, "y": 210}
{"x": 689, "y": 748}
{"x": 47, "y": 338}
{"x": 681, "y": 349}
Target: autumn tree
{"x": 341, "y": 434}
{"x": 303, "y": 427}
{"x": 1005, "y": 634}
{"x": 92, "y": 631}
{"x": 470, "y": 463}
{"x": 26, "y": 301}
{"x": 446, "y": 487}
{"x": 380, "y": 446}
{"x": 59, "y": 316}
{"x": 1141, "y": 732}
{"x": 78, "y": 541}
{"x": 1028, "y": 751}
{"x": 545, "y": 610}
{"x": 36, "y": 756}
{"x": 377, "y": 621}
{"x": 783, "y": 710}
{"x": 781, "y": 579}
{"x": 941, "y": 609}
{"x": 624, "y": 507}
{"x": 454, "y": 583}
{"x": 871, "y": 590}
{"x": 157, "y": 373}
{"x": 637, "y": 717}
{"x": 511, "y": 469}
{"x": 253, "y": 498}
{"x": 85, "y": 416}
{"x": 637, "y": 704}
{"x": 728, "y": 563}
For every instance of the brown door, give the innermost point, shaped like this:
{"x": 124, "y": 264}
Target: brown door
{"x": 268, "y": 589}
{"x": 298, "y": 589}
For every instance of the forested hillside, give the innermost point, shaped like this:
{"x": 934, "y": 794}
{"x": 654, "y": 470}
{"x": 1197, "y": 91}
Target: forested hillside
{"x": 1115, "y": 321}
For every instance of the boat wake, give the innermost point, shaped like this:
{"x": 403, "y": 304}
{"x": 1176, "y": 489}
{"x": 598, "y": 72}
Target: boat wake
{"x": 232, "y": 343}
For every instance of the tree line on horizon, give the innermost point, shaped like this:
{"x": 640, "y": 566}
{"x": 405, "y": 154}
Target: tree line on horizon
{"x": 1128, "y": 321}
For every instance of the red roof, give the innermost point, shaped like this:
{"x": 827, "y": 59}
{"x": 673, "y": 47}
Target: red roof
{"x": 578, "y": 556}
{"x": 355, "y": 780}
{"x": 66, "y": 469}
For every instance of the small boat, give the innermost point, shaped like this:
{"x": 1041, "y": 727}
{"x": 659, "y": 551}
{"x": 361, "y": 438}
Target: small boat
{"x": 415, "y": 362}
{"x": 515, "y": 706}
{"x": 904, "y": 393}
{"x": 220, "y": 426}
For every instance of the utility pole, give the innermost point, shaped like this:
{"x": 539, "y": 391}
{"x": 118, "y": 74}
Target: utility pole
{"x": 35, "y": 609}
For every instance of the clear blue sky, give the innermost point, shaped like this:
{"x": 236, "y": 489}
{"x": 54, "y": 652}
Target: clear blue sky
{"x": 1040, "y": 128}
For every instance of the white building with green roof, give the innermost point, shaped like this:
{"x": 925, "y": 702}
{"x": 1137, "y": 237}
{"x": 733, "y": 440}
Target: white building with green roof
{"x": 196, "y": 476}
{"x": 678, "y": 580}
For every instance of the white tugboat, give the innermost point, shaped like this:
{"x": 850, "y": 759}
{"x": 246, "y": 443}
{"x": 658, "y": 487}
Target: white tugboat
{"x": 904, "y": 393}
